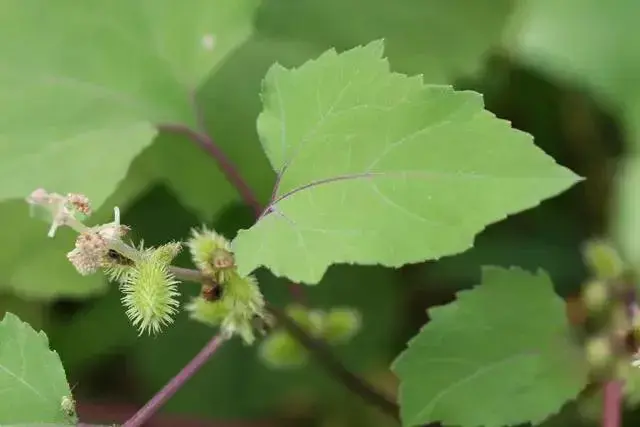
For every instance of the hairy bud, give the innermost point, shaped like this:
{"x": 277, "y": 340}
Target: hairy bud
{"x": 234, "y": 311}
{"x": 68, "y": 407}
{"x": 596, "y": 295}
{"x": 211, "y": 253}
{"x": 602, "y": 259}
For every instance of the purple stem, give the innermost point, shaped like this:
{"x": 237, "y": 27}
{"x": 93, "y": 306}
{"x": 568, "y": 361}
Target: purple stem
{"x": 205, "y": 142}
{"x": 612, "y": 404}
{"x": 152, "y": 406}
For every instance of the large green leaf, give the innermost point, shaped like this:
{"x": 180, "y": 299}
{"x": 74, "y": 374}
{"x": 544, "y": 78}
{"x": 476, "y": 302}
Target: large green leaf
{"x": 83, "y": 83}
{"x": 377, "y": 168}
{"x": 585, "y": 41}
{"x": 32, "y": 379}
{"x": 626, "y": 226}
{"x": 192, "y": 175}
{"x": 500, "y": 355}
{"x": 35, "y": 266}
{"x": 441, "y": 39}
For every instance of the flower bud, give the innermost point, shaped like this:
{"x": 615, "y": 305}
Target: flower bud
{"x": 211, "y": 253}
{"x": 602, "y": 259}
{"x": 599, "y": 352}
{"x": 341, "y": 325}
{"x": 80, "y": 203}
{"x": 280, "y": 351}
{"x": 235, "y": 311}
{"x": 596, "y": 295}
{"x": 68, "y": 407}
{"x": 311, "y": 321}
{"x": 210, "y": 313}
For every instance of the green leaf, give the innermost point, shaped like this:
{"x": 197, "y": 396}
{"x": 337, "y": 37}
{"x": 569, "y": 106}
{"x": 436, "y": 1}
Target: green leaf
{"x": 77, "y": 107}
{"x": 32, "y": 379}
{"x": 377, "y": 168}
{"x": 441, "y": 39}
{"x": 35, "y": 266}
{"x": 585, "y": 41}
{"x": 626, "y": 222}
{"x": 192, "y": 174}
{"x": 500, "y": 355}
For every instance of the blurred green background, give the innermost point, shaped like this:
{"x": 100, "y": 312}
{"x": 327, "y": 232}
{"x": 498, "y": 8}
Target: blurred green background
{"x": 566, "y": 71}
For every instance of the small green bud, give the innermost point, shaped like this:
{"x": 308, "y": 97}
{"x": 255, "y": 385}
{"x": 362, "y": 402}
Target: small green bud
{"x": 150, "y": 291}
{"x": 341, "y": 325}
{"x": 299, "y": 314}
{"x": 239, "y": 304}
{"x": 280, "y": 351}
{"x": 68, "y": 407}
{"x": 211, "y": 253}
{"x": 312, "y": 321}
{"x": 167, "y": 252}
{"x": 602, "y": 259}
{"x": 596, "y": 295}
{"x": 210, "y": 313}
{"x": 599, "y": 352}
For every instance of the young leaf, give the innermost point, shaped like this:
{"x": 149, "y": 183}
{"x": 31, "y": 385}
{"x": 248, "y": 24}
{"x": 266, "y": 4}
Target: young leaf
{"x": 32, "y": 379}
{"x": 376, "y": 167}
{"x": 83, "y": 83}
{"x": 500, "y": 355}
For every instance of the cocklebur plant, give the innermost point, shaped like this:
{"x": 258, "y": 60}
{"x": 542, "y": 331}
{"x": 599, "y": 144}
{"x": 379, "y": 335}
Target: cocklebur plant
{"x": 372, "y": 167}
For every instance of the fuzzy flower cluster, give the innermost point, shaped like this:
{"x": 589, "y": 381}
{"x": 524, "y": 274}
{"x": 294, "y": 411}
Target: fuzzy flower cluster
{"x": 237, "y": 301}
{"x": 145, "y": 275}
{"x": 59, "y": 210}
{"x": 148, "y": 286}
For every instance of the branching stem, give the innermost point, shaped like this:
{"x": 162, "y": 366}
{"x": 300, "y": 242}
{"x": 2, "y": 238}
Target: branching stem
{"x": 204, "y": 141}
{"x": 325, "y": 357}
{"x": 315, "y": 347}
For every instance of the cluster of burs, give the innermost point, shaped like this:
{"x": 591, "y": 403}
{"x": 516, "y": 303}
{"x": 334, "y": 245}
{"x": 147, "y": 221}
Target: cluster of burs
{"x": 149, "y": 283}
{"x": 609, "y": 325}
{"x": 220, "y": 296}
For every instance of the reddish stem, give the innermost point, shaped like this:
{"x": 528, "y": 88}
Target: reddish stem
{"x": 228, "y": 168}
{"x": 152, "y": 406}
{"x": 612, "y": 404}
{"x": 232, "y": 174}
